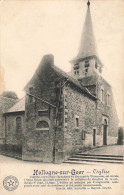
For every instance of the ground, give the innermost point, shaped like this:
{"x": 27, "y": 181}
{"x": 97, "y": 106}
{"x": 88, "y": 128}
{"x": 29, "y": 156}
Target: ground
{"x": 22, "y": 170}
{"x": 108, "y": 150}
{"x": 105, "y": 150}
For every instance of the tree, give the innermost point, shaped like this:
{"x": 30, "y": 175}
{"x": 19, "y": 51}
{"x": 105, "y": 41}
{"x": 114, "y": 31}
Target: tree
{"x": 10, "y": 94}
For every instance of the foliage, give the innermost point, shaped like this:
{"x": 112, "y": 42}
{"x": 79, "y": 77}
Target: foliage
{"x": 10, "y": 94}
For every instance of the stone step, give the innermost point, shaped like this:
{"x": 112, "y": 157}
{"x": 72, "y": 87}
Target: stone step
{"x": 116, "y": 158}
{"x": 73, "y": 160}
{"x": 86, "y": 162}
{"x": 102, "y": 155}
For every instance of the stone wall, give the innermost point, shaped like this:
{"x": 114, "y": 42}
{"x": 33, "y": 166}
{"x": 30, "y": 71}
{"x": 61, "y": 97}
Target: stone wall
{"x": 106, "y": 111}
{"x": 77, "y": 105}
{"x": 58, "y": 102}
{"x": 13, "y": 136}
{"x": 45, "y": 145}
{"x": 2, "y": 128}
{"x": 91, "y": 116}
{"x": 39, "y": 144}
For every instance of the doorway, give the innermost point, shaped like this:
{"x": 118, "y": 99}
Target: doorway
{"x": 94, "y": 137}
{"x": 105, "y": 132}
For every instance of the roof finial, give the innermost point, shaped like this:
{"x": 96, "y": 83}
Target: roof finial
{"x": 88, "y": 3}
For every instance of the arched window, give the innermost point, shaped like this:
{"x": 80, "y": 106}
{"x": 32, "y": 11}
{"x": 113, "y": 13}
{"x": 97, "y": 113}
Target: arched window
{"x": 42, "y": 125}
{"x": 105, "y": 122}
{"x": 102, "y": 95}
{"x": 108, "y": 99}
{"x": 18, "y": 124}
{"x": 105, "y": 132}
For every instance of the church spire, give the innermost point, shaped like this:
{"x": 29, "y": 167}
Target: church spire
{"x": 87, "y": 45}
{"x": 88, "y": 3}
{"x": 87, "y": 61}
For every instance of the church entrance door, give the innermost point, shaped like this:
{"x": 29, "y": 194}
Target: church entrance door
{"x": 94, "y": 137}
{"x": 105, "y": 132}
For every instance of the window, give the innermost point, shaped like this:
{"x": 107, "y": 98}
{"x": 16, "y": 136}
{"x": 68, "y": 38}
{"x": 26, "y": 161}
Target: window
{"x": 86, "y": 70}
{"x": 42, "y": 125}
{"x": 86, "y": 63}
{"x": 76, "y": 66}
{"x": 77, "y": 122}
{"x": 18, "y": 124}
{"x": 96, "y": 65}
{"x": 108, "y": 99}
{"x": 76, "y": 69}
{"x": 83, "y": 135}
{"x": 76, "y": 72}
{"x": 44, "y": 112}
{"x": 102, "y": 95}
{"x": 31, "y": 98}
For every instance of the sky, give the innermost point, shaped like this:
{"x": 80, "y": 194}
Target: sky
{"x": 31, "y": 29}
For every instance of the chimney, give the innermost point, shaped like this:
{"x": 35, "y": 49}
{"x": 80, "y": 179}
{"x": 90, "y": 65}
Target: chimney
{"x": 48, "y": 59}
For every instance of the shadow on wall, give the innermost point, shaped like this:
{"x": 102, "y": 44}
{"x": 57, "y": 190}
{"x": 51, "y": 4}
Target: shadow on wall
{"x": 120, "y": 136}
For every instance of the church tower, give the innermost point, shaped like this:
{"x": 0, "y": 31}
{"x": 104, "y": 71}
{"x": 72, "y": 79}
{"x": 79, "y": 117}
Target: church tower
{"x": 87, "y": 62}
{"x": 87, "y": 68}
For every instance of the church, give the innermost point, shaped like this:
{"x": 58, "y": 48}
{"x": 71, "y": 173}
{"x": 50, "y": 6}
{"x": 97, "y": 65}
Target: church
{"x": 61, "y": 113}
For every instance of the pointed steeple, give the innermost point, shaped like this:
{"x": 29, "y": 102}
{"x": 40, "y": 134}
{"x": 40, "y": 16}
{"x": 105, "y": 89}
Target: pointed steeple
{"x": 87, "y": 61}
{"x": 87, "y": 45}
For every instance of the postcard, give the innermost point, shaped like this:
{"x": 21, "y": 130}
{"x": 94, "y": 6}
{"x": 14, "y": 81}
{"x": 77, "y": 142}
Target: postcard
{"x": 61, "y": 97}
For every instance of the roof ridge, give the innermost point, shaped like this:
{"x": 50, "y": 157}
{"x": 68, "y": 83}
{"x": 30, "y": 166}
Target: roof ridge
{"x": 16, "y": 106}
{"x": 77, "y": 83}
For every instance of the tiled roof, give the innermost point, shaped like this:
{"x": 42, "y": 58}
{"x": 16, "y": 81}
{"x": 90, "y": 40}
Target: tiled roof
{"x": 18, "y": 107}
{"x": 6, "y": 103}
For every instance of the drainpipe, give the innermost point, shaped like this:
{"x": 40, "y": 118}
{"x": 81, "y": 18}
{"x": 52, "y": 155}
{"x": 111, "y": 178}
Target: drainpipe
{"x": 54, "y": 149}
{"x": 5, "y": 129}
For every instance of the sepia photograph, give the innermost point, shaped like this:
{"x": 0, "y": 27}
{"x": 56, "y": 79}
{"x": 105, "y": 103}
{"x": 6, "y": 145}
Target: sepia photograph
{"x": 61, "y": 97}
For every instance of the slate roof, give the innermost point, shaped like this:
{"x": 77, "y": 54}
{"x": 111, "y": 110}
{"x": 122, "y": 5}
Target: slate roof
{"x": 72, "y": 80}
{"x": 92, "y": 80}
{"x": 87, "y": 44}
{"x": 6, "y": 103}
{"x": 18, "y": 107}
{"x": 87, "y": 48}
{"x": 48, "y": 62}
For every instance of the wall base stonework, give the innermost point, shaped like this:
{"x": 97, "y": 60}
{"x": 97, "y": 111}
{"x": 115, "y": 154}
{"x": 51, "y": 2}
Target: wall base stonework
{"x": 112, "y": 140}
{"x": 99, "y": 140}
{"x": 2, "y": 140}
{"x": 38, "y": 156}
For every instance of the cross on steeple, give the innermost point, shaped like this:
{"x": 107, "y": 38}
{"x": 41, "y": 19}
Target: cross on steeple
{"x": 88, "y": 3}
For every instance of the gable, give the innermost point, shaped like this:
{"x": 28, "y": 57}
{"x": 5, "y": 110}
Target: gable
{"x": 47, "y": 71}
{"x": 18, "y": 107}
{"x": 6, "y": 103}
